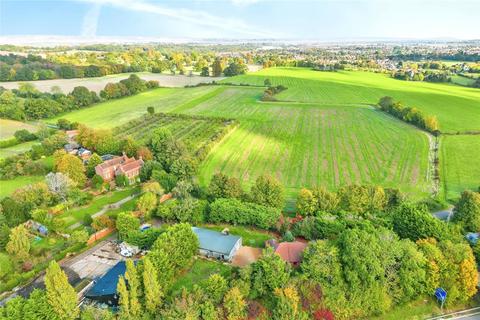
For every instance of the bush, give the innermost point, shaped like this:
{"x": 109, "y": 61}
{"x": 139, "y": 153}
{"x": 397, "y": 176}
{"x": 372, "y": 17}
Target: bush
{"x": 121, "y": 180}
{"x": 97, "y": 182}
{"x": 8, "y": 143}
{"x": 87, "y": 220}
{"x": 312, "y": 228}
{"x": 144, "y": 239}
{"x": 24, "y": 135}
{"x": 237, "y": 212}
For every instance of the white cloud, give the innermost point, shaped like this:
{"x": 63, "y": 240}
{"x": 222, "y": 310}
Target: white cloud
{"x": 90, "y": 21}
{"x": 199, "y": 18}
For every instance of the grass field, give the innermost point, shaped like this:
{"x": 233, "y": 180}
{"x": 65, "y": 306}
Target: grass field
{"x": 8, "y": 186}
{"x": 460, "y": 168}
{"x": 462, "y": 81}
{"x": 457, "y": 108}
{"x": 116, "y": 112}
{"x": 323, "y": 132}
{"x": 17, "y": 149}
{"x": 8, "y": 128}
{"x": 305, "y": 145}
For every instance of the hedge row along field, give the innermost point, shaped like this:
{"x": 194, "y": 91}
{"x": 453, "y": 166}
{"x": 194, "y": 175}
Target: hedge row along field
{"x": 308, "y": 144}
{"x": 457, "y": 108}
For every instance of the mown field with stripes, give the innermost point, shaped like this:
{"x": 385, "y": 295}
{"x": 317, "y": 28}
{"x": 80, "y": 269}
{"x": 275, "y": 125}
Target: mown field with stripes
{"x": 322, "y": 131}
{"x": 460, "y": 164}
{"x": 306, "y": 145}
{"x": 457, "y": 108}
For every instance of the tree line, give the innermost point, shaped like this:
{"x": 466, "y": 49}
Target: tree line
{"x": 27, "y": 103}
{"x": 409, "y": 114}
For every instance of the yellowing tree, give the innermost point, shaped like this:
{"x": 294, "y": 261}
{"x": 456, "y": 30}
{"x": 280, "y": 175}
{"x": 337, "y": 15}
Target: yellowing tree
{"x": 153, "y": 290}
{"x": 123, "y": 301}
{"x": 60, "y": 294}
{"x": 431, "y": 123}
{"x": 287, "y": 304}
{"x": 131, "y": 276}
{"x": 73, "y": 167}
{"x": 234, "y": 304}
{"x": 468, "y": 276}
{"x": 19, "y": 243}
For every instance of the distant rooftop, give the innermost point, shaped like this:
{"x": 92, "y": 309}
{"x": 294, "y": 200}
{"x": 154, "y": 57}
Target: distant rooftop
{"x": 215, "y": 241}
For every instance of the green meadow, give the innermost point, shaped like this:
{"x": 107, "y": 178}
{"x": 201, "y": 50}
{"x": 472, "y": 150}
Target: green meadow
{"x": 460, "y": 164}
{"x": 457, "y": 108}
{"x": 322, "y": 131}
{"x": 113, "y": 113}
{"x": 306, "y": 145}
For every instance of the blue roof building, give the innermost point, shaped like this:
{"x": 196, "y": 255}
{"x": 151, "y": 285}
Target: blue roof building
{"x": 105, "y": 288}
{"x": 216, "y": 244}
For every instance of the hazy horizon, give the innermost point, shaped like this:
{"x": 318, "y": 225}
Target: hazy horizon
{"x": 91, "y": 21}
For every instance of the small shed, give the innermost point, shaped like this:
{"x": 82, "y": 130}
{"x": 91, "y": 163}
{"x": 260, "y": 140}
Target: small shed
{"x": 105, "y": 288}
{"x": 216, "y": 244}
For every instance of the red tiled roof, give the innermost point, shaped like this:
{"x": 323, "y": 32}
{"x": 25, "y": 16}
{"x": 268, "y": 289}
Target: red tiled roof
{"x": 113, "y": 162}
{"x": 291, "y": 251}
{"x": 131, "y": 165}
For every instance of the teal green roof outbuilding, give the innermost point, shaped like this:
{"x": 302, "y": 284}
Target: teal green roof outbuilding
{"x": 217, "y": 244}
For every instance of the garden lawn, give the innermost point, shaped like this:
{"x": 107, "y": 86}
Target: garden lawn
{"x": 250, "y": 237}
{"x": 7, "y": 187}
{"x": 457, "y": 108}
{"x": 8, "y": 128}
{"x": 459, "y": 162}
{"x": 306, "y": 145}
{"x": 113, "y": 113}
{"x": 200, "y": 270}
{"x": 75, "y": 215}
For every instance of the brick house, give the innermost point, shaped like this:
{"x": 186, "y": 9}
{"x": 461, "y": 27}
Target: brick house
{"x": 130, "y": 167}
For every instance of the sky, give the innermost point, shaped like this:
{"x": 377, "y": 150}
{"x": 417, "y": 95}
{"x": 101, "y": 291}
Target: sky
{"x": 322, "y": 20}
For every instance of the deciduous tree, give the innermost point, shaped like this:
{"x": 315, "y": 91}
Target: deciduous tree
{"x": 268, "y": 191}
{"x": 60, "y": 294}
{"x": 18, "y": 245}
{"x": 72, "y": 166}
{"x": 467, "y": 211}
{"x": 234, "y": 304}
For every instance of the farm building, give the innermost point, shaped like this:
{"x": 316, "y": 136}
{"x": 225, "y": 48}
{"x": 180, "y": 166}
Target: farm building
{"x": 218, "y": 245}
{"x": 105, "y": 288}
{"x": 290, "y": 252}
{"x": 130, "y": 167}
